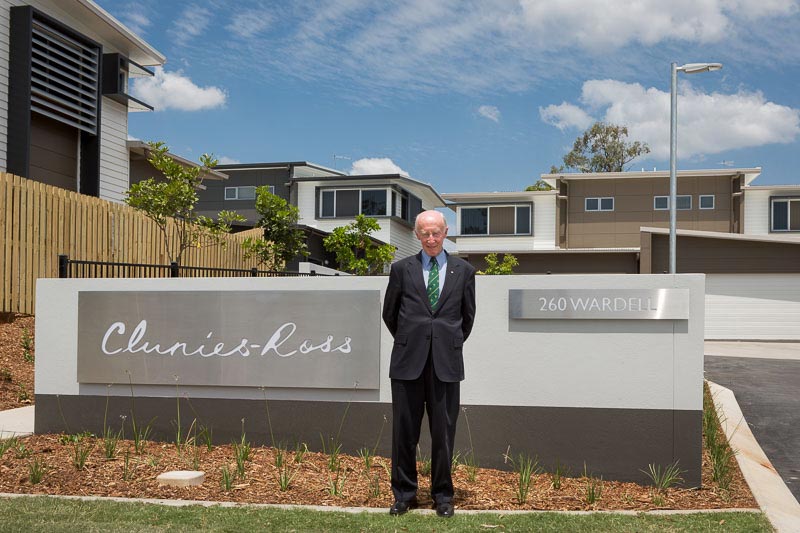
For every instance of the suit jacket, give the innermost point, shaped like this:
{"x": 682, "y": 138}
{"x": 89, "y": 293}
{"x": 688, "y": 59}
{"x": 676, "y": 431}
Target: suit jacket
{"x": 418, "y": 330}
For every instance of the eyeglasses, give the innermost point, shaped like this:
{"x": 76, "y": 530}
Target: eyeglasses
{"x": 426, "y": 234}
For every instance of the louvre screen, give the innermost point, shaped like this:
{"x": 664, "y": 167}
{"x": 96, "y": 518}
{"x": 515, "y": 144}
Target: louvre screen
{"x": 64, "y": 76}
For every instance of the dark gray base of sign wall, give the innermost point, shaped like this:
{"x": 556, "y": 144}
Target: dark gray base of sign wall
{"x": 614, "y": 443}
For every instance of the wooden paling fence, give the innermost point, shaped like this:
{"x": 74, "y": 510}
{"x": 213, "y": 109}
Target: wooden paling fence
{"x": 38, "y": 222}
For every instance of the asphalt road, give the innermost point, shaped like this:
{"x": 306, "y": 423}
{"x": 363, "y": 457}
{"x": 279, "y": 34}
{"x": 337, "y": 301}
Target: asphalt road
{"x": 768, "y": 392}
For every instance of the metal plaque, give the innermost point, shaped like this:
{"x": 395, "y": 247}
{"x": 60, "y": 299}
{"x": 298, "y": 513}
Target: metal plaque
{"x": 314, "y": 339}
{"x": 599, "y": 304}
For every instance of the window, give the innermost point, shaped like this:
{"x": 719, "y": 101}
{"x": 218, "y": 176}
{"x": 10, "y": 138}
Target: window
{"x": 786, "y": 214}
{"x": 496, "y": 220}
{"x": 474, "y": 221}
{"x": 247, "y": 192}
{"x": 373, "y": 202}
{"x": 684, "y": 202}
{"x": 706, "y": 201}
{"x": 599, "y": 204}
{"x": 351, "y": 202}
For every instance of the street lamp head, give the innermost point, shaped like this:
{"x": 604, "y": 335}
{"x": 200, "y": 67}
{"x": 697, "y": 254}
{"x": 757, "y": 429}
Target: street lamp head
{"x": 694, "y": 68}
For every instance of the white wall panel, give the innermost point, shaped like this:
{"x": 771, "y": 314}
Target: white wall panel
{"x": 756, "y": 211}
{"x": 618, "y": 364}
{"x": 114, "y": 158}
{"x": 752, "y": 307}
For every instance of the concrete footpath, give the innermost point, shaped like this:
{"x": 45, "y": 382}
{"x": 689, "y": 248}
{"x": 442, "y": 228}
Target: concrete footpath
{"x": 769, "y": 488}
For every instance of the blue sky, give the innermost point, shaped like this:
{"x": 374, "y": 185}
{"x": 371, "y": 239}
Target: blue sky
{"x": 466, "y": 95}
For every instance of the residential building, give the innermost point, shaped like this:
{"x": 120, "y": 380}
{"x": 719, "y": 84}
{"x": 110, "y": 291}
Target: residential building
{"x": 326, "y": 199}
{"x": 772, "y": 210}
{"x": 393, "y": 199}
{"x": 607, "y": 210}
{"x": 238, "y": 193}
{"x": 140, "y": 168}
{"x": 592, "y": 222}
{"x": 64, "y": 98}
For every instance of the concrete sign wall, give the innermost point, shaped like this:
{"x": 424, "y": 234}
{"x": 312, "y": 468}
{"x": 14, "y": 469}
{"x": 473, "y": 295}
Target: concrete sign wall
{"x": 614, "y": 388}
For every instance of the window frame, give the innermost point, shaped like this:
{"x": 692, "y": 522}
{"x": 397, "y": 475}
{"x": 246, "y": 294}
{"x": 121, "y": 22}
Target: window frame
{"x": 488, "y": 207}
{"x": 599, "y": 204}
{"x": 788, "y": 201}
{"x": 237, "y": 196}
{"x": 388, "y": 211}
{"x": 689, "y": 196}
{"x": 713, "y": 201}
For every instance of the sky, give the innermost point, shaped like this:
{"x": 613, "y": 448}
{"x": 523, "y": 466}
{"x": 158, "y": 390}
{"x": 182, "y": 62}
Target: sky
{"x": 469, "y": 96}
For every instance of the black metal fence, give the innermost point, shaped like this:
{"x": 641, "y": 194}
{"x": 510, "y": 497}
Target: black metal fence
{"x": 76, "y": 268}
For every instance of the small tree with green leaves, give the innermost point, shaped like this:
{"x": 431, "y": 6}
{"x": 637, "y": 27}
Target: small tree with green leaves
{"x": 495, "y": 267}
{"x": 174, "y": 199}
{"x": 602, "y": 148}
{"x": 282, "y": 240}
{"x": 355, "y": 251}
{"x": 540, "y": 185}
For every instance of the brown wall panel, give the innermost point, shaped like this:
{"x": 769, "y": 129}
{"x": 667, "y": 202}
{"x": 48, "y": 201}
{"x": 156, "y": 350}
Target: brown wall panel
{"x": 633, "y": 209}
{"x": 725, "y": 256}
{"x": 54, "y": 153}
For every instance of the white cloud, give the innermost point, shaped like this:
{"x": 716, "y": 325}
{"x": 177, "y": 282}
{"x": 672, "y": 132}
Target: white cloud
{"x": 566, "y": 116}
{"x": 225, "y": 160}
{"x": 249, "y": 23}
{"x": 192, "y": 22}
{"x": 707, "y": 123}
{"x": 135, "y": 18}
{"x": 490, "y": 112}
{"x": 593, "y": 23}
{"x": 376, "y": 165}
{"x": 173, "y": 90}
{"x": 371, "y": 50}
{"x": 752, "y": 9}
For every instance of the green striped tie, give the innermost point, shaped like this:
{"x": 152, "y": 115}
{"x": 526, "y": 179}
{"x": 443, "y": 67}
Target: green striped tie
{"x": 433, "y": 283}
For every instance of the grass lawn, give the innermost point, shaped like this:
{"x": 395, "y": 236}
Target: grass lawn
{"x": 43, "y": 513}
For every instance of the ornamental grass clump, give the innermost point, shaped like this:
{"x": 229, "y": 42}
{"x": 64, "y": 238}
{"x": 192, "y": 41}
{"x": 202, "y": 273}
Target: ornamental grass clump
{"x": 557, "y": 475}
{"x": 526, "y": 467}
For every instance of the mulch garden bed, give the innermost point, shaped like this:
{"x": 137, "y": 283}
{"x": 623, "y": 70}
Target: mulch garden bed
{"x": 129, "y": 474}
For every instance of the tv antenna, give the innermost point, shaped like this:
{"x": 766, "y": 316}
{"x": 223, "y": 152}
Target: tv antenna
{"x": 335, "y": 157}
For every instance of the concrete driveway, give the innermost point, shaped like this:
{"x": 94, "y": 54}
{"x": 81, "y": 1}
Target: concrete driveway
{"x": 765, "y": 378}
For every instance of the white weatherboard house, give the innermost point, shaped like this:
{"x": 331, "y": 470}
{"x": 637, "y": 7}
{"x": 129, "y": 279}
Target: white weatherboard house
{"x": 393, "y": 199}
{"x": 64, "y": 102}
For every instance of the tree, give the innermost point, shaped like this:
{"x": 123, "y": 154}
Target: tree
{"x": 497, "y": 268}
{"x": 602, "y": 148}
{"x": 282, "y": 240}
{"x": 354, "y": 249}
{"x": 540, "y": 185}
{"x": 170, "y": 203}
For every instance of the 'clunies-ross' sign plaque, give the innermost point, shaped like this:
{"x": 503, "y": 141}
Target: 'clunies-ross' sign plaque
{"x": 314, "y": 339}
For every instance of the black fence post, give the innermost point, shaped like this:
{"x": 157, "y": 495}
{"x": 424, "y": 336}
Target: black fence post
{"x": 63, "y": 266}
{"x": 174, "y": 272}
{"x": 254, "y": 272}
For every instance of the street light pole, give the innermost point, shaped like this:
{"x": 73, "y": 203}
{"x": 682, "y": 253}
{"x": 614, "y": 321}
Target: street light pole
{"x": 673, "y": 164}
{"x": 689, "y": 68}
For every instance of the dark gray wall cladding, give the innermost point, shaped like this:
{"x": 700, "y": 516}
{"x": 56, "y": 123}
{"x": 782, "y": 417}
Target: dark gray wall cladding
{"x": 213, "y": 198}
{"x": 614, "y": 443}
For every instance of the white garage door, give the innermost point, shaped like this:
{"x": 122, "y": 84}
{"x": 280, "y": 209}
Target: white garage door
{"x": 753, "y": 307}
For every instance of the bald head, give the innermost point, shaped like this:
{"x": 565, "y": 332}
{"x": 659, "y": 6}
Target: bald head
{"x": 430, "y": 228}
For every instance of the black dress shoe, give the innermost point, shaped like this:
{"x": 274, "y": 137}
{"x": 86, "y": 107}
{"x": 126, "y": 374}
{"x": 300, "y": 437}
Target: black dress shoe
{"x": 399, "y": 507}
{"x": 445, "y": 509}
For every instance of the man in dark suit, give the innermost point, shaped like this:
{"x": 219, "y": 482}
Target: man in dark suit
{"x": 429, "y": 308}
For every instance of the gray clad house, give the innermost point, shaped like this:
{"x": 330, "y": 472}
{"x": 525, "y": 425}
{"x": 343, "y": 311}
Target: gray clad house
{"x": 64, "y": 94}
